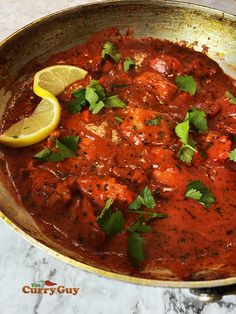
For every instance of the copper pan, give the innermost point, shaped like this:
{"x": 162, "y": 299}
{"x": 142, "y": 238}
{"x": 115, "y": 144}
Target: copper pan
{"x": 175, "y": 21}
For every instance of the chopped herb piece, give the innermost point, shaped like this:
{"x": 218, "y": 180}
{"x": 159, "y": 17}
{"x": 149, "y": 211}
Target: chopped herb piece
{"x": 43, "y": 154}
{"x": 155, "y": 121}
{"x": 187, "y": 150}
{"x": 111, "y": 222}
{"x": 198, "y": 119}
{"x": 97, "y": 107}
{"x": 94, "y": 97}
{"x": 110, "y": 49}
{"x": 97, "y": 88}
{"x": 76, "y": 104}
{"x": 114, "y": 102}
{"x": 128, "y": 63}
{"x": 186, "y": 154}
{"x": 145, "y": 198}
{"x": 67, "y": 147}
{"x": 152, "y": 214}
{"x": 70, "y": 143}
{"x": 91, "y": 96}
{"x": 193, "y": 194}
{"x": 148, "y": 199}
{"x": 197, "y": 191}
{"x": 182, "y": 130}
{"x": 136, "y": 249}
{"x": 117, "y": 118}
{"x": 232, "y": 155}
{"x": 113, "y": 86}
{"x": 15, "y": 136}
{"x": 140, "y": 226}
{"x": 231, "y": 97}
{"x": 186, "y": 83}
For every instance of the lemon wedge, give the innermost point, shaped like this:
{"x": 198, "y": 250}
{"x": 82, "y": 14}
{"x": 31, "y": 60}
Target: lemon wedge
{"x": 48, "y": 83}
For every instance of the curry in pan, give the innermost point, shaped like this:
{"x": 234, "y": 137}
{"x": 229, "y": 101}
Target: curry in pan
{"x": 138, "y": 172}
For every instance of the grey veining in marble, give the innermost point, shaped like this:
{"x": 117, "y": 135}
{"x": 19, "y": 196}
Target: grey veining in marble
{"x": 21, "y": 263}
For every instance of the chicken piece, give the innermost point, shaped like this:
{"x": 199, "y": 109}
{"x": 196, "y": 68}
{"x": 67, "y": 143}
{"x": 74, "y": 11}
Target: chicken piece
{"x": 220, "y": 146}
{"x": 138, "y": 128}
{"x": 162, "y": 158}
{"x": 172, "y": 182}
{"x": 48, "y": 192}
{"x": 157, "y": 84}
{"x": 100, "y": 189}
{"x": 165, "y": 64}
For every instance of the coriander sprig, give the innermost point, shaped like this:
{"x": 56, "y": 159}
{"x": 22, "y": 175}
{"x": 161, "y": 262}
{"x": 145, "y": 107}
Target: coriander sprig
{"x": 95, "y": 98}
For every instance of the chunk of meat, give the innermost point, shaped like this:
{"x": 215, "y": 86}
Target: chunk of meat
{"x": 100, "y": 189}
{"x": 220, "y": 146}
{"x": 165, "y": 64}
{"x": 162, "y": 158}
{"x": 157, "y": 84}
{"x": 136, "y": 128}
{"x": 172, "y": 182}
{"x": 88, "y": 233}
{"x": 48, "y": 192}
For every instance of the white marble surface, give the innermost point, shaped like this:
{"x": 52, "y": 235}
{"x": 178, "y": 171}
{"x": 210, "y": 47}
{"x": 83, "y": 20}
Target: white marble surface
{"x": 21, "y": 263}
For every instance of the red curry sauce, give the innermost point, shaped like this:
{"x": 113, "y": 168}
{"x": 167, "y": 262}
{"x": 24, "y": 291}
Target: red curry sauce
{"x": 118, "y": 160}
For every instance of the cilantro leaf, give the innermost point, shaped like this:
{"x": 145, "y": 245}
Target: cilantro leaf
{"x": 198, "y": 119}
{"x": 97, "y": 107}
{"x": 118, "y": 119}
{"x": 140, "y": 225}
{"x": 145, "y": 198}
{"x": 188, "y": 148}
{"x": 186, "y": 154}
{"x": 137, "y": 203}
{"x": 193, "y": 194}
{"x": 187, "y": 84}
{"x": 182, "y": 130}
{"x": 76, "y": 104}
{"x": 70, "y": 143}
{"x": 97, "y": 88}
{"x": 136, "y": 249}
{"x": 110, "y": 49}
{"x": 152, "y": 214}
{"x": 128, "y": 63}
{"x": 66, "y": 146}
{"x": 121, "y": 85}
{"x": 91, "y": 96}
{"x": 94, "y": 97}
{"x": 43, "y": 154}
{"x": 148, "y": 199}
{"x": 114, "y": 102}
{"x": 232, "y": 155}
{"x": 155, "y": 121}
{"x": 204, "y": 195}
{"x": 231, "y": 97}
{"x": 111, "y": 222}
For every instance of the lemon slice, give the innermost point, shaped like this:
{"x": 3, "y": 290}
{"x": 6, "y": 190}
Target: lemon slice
{"x": 36, "y": 127}
{"x": 48, "y": 83}
{"x": 53, "y": 80}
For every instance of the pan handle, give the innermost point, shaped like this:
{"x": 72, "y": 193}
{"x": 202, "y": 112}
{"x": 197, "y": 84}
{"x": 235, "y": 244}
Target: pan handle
{"x": 213, "y": 294}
